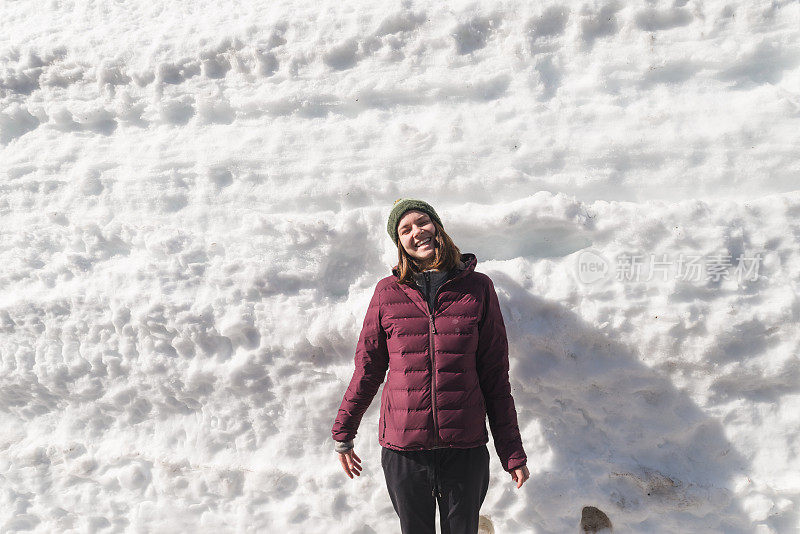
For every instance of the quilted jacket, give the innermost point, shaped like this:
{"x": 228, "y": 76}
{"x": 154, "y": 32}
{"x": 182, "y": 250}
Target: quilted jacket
{"x": 447, "y": 370}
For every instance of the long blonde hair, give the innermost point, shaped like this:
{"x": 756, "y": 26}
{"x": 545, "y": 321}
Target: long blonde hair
{"x": 446, "y": 257}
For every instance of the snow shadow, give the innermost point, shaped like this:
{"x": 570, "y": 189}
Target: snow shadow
{"x": 603, "y": 429}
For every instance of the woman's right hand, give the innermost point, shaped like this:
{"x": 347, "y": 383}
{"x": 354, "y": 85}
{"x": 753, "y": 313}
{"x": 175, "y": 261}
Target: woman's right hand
{"x": 350, "y": 462}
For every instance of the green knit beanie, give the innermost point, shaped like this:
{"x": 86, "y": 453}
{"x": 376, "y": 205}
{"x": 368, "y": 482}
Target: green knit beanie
{"x": 402, "y": 205}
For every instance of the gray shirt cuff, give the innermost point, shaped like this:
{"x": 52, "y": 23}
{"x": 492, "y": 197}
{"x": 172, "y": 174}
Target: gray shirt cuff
{"x": 344, "y": 446}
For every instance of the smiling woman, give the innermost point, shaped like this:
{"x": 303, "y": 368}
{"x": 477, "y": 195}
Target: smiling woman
{"x": 435, "y": 324}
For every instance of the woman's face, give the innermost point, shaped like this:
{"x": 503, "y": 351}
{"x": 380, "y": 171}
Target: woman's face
{"x": 416, "y": 232}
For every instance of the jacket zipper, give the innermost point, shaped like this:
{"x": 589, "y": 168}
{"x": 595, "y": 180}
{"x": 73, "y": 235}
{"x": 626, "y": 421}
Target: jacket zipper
{"x": 431, "y": 332}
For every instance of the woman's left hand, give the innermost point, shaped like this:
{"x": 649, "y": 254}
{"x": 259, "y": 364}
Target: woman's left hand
{"x": 520, "y": 475}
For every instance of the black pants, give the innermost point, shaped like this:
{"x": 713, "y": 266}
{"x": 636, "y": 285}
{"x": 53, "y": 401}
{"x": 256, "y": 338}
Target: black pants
{"x": 456, "y": 478}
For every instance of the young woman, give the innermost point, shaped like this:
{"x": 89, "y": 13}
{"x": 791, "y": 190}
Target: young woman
{"x": 435, "y": 324}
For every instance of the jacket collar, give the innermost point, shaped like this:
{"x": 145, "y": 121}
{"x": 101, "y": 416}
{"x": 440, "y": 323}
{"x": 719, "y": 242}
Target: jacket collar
{"x": 465, "y": 266}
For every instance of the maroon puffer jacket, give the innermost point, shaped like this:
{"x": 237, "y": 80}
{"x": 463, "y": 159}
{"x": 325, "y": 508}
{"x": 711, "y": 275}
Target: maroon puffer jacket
{"x": 463, "y": 341}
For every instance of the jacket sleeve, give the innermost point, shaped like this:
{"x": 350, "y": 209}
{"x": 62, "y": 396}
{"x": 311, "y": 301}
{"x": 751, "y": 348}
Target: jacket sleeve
{"x": 492, "y": 366}
{"x": 371, "y": 362}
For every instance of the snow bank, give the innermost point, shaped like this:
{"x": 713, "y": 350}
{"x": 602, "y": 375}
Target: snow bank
{"x": 193, "y": 200}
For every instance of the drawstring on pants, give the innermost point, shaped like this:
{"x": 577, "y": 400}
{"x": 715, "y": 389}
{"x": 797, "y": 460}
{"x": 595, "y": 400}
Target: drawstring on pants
{"x": 435, "y": 489}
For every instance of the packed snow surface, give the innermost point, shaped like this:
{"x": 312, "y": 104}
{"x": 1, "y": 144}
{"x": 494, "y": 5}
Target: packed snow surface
{"x": 193, "y": 199}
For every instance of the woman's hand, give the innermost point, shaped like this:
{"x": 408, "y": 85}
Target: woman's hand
{"x": 520, "y": 475}
{"x": 350, "y": 462}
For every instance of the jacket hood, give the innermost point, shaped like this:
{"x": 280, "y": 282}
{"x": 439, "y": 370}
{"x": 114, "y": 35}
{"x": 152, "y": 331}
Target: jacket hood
{"x": 465, "y": 266}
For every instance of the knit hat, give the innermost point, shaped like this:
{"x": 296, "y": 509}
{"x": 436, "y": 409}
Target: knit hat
{"x": 402, "y": 205}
